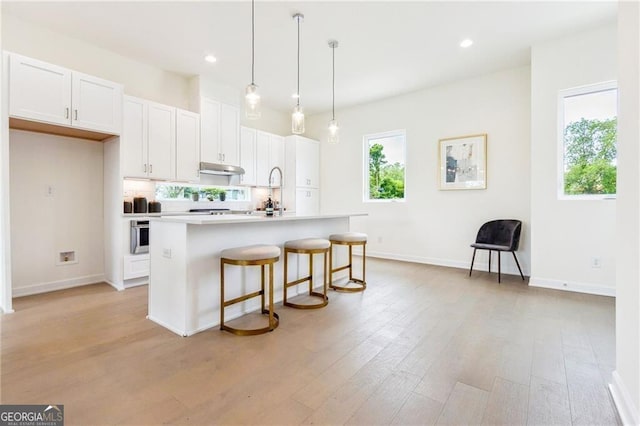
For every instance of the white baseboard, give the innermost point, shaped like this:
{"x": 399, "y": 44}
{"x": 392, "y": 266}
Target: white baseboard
{"x": 114, "y": 285}
{"x": 167, "y": 326}
{"x": 56, "y": 285}
{"x": 626, "y": 410}
{"x": 508, "y": 266}
{"x": 588, "y": 288}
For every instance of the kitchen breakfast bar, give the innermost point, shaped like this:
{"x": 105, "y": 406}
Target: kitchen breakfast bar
{"x": 184, "y": 279}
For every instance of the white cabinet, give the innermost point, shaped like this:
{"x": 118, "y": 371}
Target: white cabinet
{"x": 307, "y": 201}
{"x": 135, "y": 266}
{"x": 187, "y": 146}
{"x": 148, "y": 139}
{"x": 220, "y": 132}
{"x": 307, "y": 157}
{"x": 302, "y": 175}
{"x": 269, "y": 154}
{"x": 248, "y": 156}
{"x": 43, "y": 92}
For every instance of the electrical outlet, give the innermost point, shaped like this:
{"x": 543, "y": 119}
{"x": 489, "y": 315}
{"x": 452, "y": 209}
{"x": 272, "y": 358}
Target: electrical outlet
{"x": 379, "y": 239}
{"x": 166, "y": 253}
{"x": 596, "y": 262}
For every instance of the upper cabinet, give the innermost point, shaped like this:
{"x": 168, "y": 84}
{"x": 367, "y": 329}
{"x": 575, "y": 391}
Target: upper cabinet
{"x": 187, "y": 146}
{"x": 303, "y": 154}
{"x": 42, "y": 92}
{"x": 220, "y": 132}
{"x": 148, "y": 139}
{"x": 269, "y": 154}
{"x": 248, "y": 156}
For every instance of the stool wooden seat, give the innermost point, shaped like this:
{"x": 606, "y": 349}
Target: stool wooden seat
{"x": 349, "y": 239}
{"x": 256, "y": 255}
{"x": 308, "y": 246}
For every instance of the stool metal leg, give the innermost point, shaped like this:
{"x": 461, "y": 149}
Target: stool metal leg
{"x": 221, "y": 294}
{"x": 273, "y": 317}
{"x": 360, "y": 281}
{"x": 287, "y": 284}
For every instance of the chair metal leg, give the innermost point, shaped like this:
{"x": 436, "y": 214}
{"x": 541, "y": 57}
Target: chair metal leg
{"x": 473, "y": 258}
{"x": 499, "y": 266}
{"x": 489, "y": 261}
{"x": 221, "y": 295}
{"x": 517, "y": 263}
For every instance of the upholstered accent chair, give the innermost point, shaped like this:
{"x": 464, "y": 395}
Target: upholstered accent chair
{"x": 498, "y": 235}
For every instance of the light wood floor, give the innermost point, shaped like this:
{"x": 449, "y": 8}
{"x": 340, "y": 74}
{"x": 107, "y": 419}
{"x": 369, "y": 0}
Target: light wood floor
{"x": 422, "y": 345}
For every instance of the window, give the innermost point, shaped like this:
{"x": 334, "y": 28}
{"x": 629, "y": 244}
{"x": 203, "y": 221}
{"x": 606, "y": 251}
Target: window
{"x": 384, "y": 156}
{"x": 588, "y": 133}
{"x": 186, "y": 192}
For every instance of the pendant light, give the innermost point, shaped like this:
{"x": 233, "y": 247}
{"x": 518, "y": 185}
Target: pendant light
{"x": 252, "y": 97}
{"x": 297, "y": 117}
{"x": 333, "y": 124}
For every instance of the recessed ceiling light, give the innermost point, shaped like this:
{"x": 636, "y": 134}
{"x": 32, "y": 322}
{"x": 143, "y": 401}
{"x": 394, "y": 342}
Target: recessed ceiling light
{"x": 466, "y": 42}
{"x": 295, "y": 96}
{"x": 210, "y": 58}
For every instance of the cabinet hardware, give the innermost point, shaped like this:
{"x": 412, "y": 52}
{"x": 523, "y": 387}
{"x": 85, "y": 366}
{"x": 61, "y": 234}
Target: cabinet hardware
{"x": 75, "y": 111}
{"x": 150, "y": 168}
{"x": 145, "y": 168}
{"x": 66, "y": 112}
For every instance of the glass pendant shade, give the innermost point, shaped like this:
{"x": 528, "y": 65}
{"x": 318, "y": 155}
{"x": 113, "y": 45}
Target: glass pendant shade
{"x": 334, "y": 131}
{"x": 297, "y": 120}
{"x": 252, "y": 102}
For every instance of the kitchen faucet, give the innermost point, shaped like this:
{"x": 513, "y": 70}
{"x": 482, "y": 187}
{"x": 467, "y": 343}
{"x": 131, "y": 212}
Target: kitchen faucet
{"x": 281, "y": 178}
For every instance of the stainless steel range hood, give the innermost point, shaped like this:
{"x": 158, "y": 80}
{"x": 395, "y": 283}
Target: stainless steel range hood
{"x": 220, "y": 169}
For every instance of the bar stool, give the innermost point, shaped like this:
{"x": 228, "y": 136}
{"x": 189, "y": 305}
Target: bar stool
{"x": 308, "y": 246}
{"x": 256, "y": 255}
{"x": 349, "y": 239}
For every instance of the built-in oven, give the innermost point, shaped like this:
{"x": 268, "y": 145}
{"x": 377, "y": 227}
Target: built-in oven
{"x": 139, "y": 236}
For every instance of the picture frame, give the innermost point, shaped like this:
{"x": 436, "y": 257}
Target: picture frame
{"x": 463, "y": 162}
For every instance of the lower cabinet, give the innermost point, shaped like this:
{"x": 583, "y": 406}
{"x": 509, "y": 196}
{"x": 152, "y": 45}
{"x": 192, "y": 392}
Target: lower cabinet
{"x": 136, "y": 266}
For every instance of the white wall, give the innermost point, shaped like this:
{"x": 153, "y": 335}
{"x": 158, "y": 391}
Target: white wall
{"x": 436, "y": 226}
{"x": 70, "y": 219}
{"x": 626, "y": 379}
{"x": 567, "y": 234}
{"x": 139, "y": 79}
{"x": 5, "y": 250}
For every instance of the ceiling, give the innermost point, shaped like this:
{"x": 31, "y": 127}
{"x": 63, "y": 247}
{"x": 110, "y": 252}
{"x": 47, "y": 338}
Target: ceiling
{"x": 385, "y": 48}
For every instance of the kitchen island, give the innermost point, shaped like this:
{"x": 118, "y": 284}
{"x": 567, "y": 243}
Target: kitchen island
{"x": 184, "y": 279}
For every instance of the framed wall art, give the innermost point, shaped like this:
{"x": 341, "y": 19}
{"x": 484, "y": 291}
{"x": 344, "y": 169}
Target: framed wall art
{"x": 463, "y": 162}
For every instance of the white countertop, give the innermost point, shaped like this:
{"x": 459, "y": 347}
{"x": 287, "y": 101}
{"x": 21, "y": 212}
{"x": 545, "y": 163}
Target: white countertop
{"x": 245, "y": 218}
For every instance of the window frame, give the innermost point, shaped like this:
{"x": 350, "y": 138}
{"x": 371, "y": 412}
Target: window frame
{"x": 562, "y": 95}
{"x": 365, "y": 169}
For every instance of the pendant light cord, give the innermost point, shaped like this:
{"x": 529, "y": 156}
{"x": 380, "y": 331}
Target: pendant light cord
{"x": 333, "y": 82}
{"x": 252, "y": 41}
{"x": 298, "y": 19}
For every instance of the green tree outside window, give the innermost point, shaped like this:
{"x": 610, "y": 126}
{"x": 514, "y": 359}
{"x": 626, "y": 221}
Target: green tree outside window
{"x": 590, "y": 157}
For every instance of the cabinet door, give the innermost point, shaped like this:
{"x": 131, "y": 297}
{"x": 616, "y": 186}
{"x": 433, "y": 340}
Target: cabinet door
{"x": 307, "y": 201}
{"x": 276, "y": 158}
{"x": 307, "y": 163}
{"x": 134, "y": 138}
{"x": 97, "y": 104}
{"x": 248, "y": 155}
{"x": 263, "y": 163}
{"x": 162, "y": 141}
{"x": 209, "y": 131}
{"x": 39, "y": 91}
{"x": 187, "y": 146}
{"x": 230, "y": 134}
